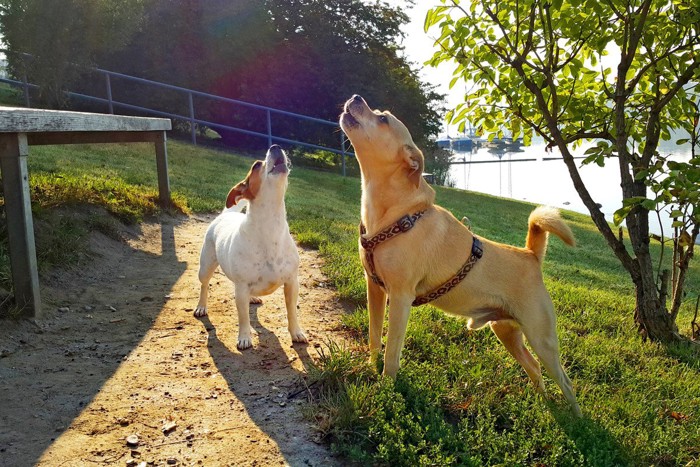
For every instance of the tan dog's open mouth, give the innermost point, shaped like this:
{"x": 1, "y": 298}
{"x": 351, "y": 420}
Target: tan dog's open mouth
{"x": 348, "y": 121}
{"x": 352, "y": 108}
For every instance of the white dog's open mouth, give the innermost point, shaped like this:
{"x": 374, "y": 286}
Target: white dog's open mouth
{"x": 279, "y": 166}
{"x": 276, "y": 160}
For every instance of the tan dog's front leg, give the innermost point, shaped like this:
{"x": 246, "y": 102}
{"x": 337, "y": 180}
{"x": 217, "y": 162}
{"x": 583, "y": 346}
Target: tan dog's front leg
{"x": 291, "y": 295}
{"x": 245, "y": 331}
{"x": 399, "y": 310}
{"x": 376, "y": 306}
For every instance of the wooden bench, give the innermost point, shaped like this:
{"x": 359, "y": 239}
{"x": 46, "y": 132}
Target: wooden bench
{"x": 21, "y": 128}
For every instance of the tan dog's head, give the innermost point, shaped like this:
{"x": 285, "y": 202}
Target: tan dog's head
{"x": 265, "y": 179}
{"x": 381, "y": 141}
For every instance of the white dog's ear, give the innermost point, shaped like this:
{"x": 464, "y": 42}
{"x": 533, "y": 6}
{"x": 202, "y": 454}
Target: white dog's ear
{"x": 237, "y": 193}
{"x": 414, "y": 162}
{"x": 248, "y": 188}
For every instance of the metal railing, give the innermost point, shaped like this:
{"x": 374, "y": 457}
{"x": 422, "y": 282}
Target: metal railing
{"x": 188, "y": 95}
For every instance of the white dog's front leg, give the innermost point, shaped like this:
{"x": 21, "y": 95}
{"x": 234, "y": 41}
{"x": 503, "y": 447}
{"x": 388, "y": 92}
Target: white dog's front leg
{"x": 399, "y": 309}
{"x": 201, "y": 309}
{"x": 291, "y": 296}
{"x": 245, "y": 331}
{"x": 376, "y": 306}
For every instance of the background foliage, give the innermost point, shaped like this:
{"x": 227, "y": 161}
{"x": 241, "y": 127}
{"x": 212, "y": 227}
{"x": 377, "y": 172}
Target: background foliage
{"x": 303, "y": 56}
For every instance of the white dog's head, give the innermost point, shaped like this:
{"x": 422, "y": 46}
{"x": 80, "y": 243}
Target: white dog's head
{"x": 265, "y": 180}
{"x": 381, "y": 141}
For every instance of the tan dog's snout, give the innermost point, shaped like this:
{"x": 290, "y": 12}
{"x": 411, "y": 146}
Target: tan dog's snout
{"x": 353, "y": 110}
{"x": 356, "y": 105}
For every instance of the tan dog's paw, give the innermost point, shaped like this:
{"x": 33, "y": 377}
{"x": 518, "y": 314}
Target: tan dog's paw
{"x": 255, "y": 301}
{"x": 200, "y": 311}
{"x": 298, "y": 336}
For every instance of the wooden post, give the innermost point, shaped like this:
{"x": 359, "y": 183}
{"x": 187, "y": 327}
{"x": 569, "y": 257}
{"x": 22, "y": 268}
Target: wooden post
{"x": 20, "y": 227}
{"x": 162, "y": 166}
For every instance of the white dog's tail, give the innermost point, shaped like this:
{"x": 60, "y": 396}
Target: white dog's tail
{"x": 543, "y": 220}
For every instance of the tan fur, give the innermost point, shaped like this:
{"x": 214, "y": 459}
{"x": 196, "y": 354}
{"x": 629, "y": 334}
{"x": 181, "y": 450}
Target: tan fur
{"x": 504, "y": 289}
{"x": 542, "y": 220}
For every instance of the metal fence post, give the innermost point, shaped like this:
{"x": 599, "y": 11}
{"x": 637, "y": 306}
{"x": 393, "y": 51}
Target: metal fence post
{"x": 193, "y": 132}
{"x": 342, "y": 146}
{"x": 26, "y": 90}
{"x": 109, "y": 93}
{"x": 269, "y": 128}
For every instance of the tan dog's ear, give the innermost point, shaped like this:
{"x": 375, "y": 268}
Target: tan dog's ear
{"x": 237, "y": 193}
{"x": 414, "y": 161}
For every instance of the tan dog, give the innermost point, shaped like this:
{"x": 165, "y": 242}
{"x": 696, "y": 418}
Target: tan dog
{"x": 503, "y": 287}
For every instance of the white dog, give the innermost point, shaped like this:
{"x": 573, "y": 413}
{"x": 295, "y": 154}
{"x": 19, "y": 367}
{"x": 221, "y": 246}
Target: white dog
{"x": 255, "y": 250}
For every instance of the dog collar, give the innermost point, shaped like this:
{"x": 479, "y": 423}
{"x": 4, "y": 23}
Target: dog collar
{"x": 405, "y": 224}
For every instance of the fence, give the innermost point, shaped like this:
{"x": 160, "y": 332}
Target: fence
{"x": 188, "y": 96}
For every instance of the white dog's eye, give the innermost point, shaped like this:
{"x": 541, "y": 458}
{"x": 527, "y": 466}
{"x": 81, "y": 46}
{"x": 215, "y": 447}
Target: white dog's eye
{"x": 383, "y": 119}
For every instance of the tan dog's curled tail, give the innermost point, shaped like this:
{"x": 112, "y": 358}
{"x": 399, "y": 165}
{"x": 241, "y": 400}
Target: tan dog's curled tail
{"x": 543, "y": 220}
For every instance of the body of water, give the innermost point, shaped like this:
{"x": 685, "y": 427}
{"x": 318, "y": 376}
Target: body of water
{"x": 532, "y": 174}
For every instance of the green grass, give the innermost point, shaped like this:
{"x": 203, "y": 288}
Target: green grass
{"x": 11, "y": 96}
{"x": 459, "y": 398}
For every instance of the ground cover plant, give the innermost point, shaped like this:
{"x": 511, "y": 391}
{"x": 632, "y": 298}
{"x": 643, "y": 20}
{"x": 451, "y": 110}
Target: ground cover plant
{"x": 459, "y": 398}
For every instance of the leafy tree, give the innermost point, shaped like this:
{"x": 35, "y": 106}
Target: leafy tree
{"x": 322, "y": 52}
{"x": 60, "y": 35}
{"x": 303, "y": 56}
{"x": 537, "y": 67}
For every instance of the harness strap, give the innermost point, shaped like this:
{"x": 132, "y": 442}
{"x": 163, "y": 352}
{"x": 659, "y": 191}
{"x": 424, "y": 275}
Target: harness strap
{"x": 477, "y": 252}
{"x": 405, "y": 224}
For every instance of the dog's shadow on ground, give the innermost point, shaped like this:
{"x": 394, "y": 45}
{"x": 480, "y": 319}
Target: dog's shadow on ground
{"x": 52, "y": 368}
{"x": 264, "y": 380}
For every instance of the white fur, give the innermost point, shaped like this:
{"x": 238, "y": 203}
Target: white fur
{"x": 256, "y": 252}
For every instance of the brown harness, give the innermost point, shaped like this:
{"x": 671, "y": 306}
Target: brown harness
{"x": 405, "y": 224}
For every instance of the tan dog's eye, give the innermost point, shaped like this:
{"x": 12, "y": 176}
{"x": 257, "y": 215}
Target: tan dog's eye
{"x": 383, "y": 119}
{"x": 257, "y": 165}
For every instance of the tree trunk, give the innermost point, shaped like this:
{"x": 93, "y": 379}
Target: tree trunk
{"x": 652, "y": 319}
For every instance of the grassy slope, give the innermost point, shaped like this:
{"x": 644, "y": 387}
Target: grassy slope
{"x": 459, "y": 398}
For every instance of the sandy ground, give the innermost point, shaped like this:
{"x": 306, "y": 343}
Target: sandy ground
{"x": 119, "y": 372}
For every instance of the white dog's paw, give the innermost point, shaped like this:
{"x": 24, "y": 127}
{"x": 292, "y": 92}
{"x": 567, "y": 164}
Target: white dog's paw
{"x": 298, "y": 336}
{"x": 200, "y": 311}
{"x": 255, "y": 300}
{"x": 245, "y": 341}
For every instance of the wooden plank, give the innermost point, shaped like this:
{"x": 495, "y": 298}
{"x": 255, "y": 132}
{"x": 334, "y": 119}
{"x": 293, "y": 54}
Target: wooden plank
{"x": 13, "y": 119}
{"x": 90, "y": 137}
{"x": 14, "y": 150}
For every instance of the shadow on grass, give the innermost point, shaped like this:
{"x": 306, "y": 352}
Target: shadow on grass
{"x": 687, "y": 352}
{"x": 597, "y": 445}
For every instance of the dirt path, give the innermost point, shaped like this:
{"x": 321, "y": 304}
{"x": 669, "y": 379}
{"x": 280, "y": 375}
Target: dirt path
{"x": 119, "y": 354}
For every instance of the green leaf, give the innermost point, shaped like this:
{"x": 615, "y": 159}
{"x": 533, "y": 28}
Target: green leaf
{"x": 649, "y": 204}
{"x": 621, "y": 214}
